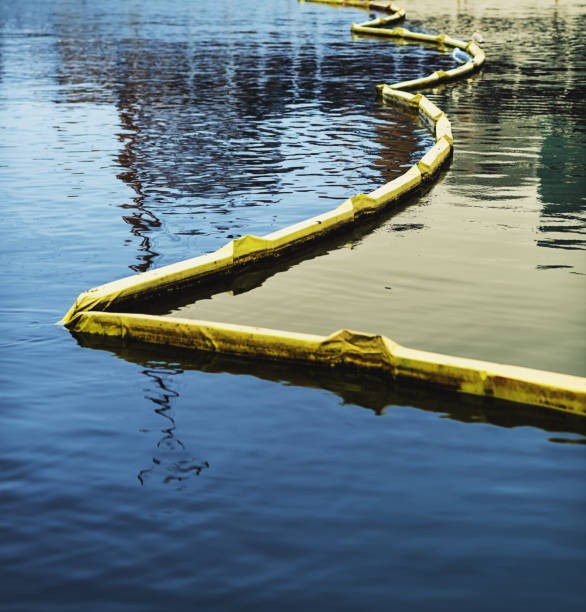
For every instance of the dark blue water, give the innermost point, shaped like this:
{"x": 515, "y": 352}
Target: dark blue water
{"x": 136, "y": 134}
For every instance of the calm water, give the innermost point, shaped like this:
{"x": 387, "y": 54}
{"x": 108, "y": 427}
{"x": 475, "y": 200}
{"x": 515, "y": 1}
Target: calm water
{"x": 135, "y": 134}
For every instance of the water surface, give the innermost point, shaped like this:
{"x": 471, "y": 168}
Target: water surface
{"x": 135, "y": 134}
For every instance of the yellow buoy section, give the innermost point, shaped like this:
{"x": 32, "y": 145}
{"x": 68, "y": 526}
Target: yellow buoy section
{"x": 92, "y": 312}
{"x": 347, "y": 349}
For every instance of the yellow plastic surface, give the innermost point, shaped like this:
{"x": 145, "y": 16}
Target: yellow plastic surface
{"x": 399, "y": 187}
{"x": 429, "y": 113}
{"x": 455, "y": 42}
{"x": 460, "y": 71}
{"x": 348, "y": 349}
{"x": 344, "y": 348}
{"x": 399, "y": 97}
{"x": 431, "y": 162}
{"x": 443, "y": 129}
{"x": 153, "y": 281}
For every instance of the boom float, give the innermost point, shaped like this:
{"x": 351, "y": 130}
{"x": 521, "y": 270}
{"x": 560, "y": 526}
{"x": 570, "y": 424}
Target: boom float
{"x": 102, "y": 310}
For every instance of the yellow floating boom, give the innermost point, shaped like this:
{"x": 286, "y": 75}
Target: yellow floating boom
{"x": 347, "y": 349}
{"x": 92, "y": 311}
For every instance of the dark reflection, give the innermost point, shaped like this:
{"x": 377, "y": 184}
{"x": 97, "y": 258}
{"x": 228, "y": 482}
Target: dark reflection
{"x": 404, "y": 227}
{"x": 172, "y": 458}
{"x": 561, "y": 169}
{"x": 141, "y": 220}
{"x": 367, "y": 391}
{"x": 562, "y": 184}
{"x": 398, "y": 149}
{"x": 227, "y": 131}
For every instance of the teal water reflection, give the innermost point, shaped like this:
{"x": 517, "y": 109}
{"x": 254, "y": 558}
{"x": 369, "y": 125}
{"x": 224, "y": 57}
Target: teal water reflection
{"x": 562, "y": 186}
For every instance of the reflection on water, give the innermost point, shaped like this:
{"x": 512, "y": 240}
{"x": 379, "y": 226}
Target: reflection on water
{"x": 368, "y": 391}
{"x": 531, "y": 95}
{"x": 562, "y": 184}
{"x": 228, "y": 130}
{"x": 172, "y": 456}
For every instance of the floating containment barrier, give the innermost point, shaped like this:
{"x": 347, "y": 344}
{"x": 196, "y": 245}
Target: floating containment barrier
{"x": 348, "y": 350}
{"x": 101, "y": 311}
